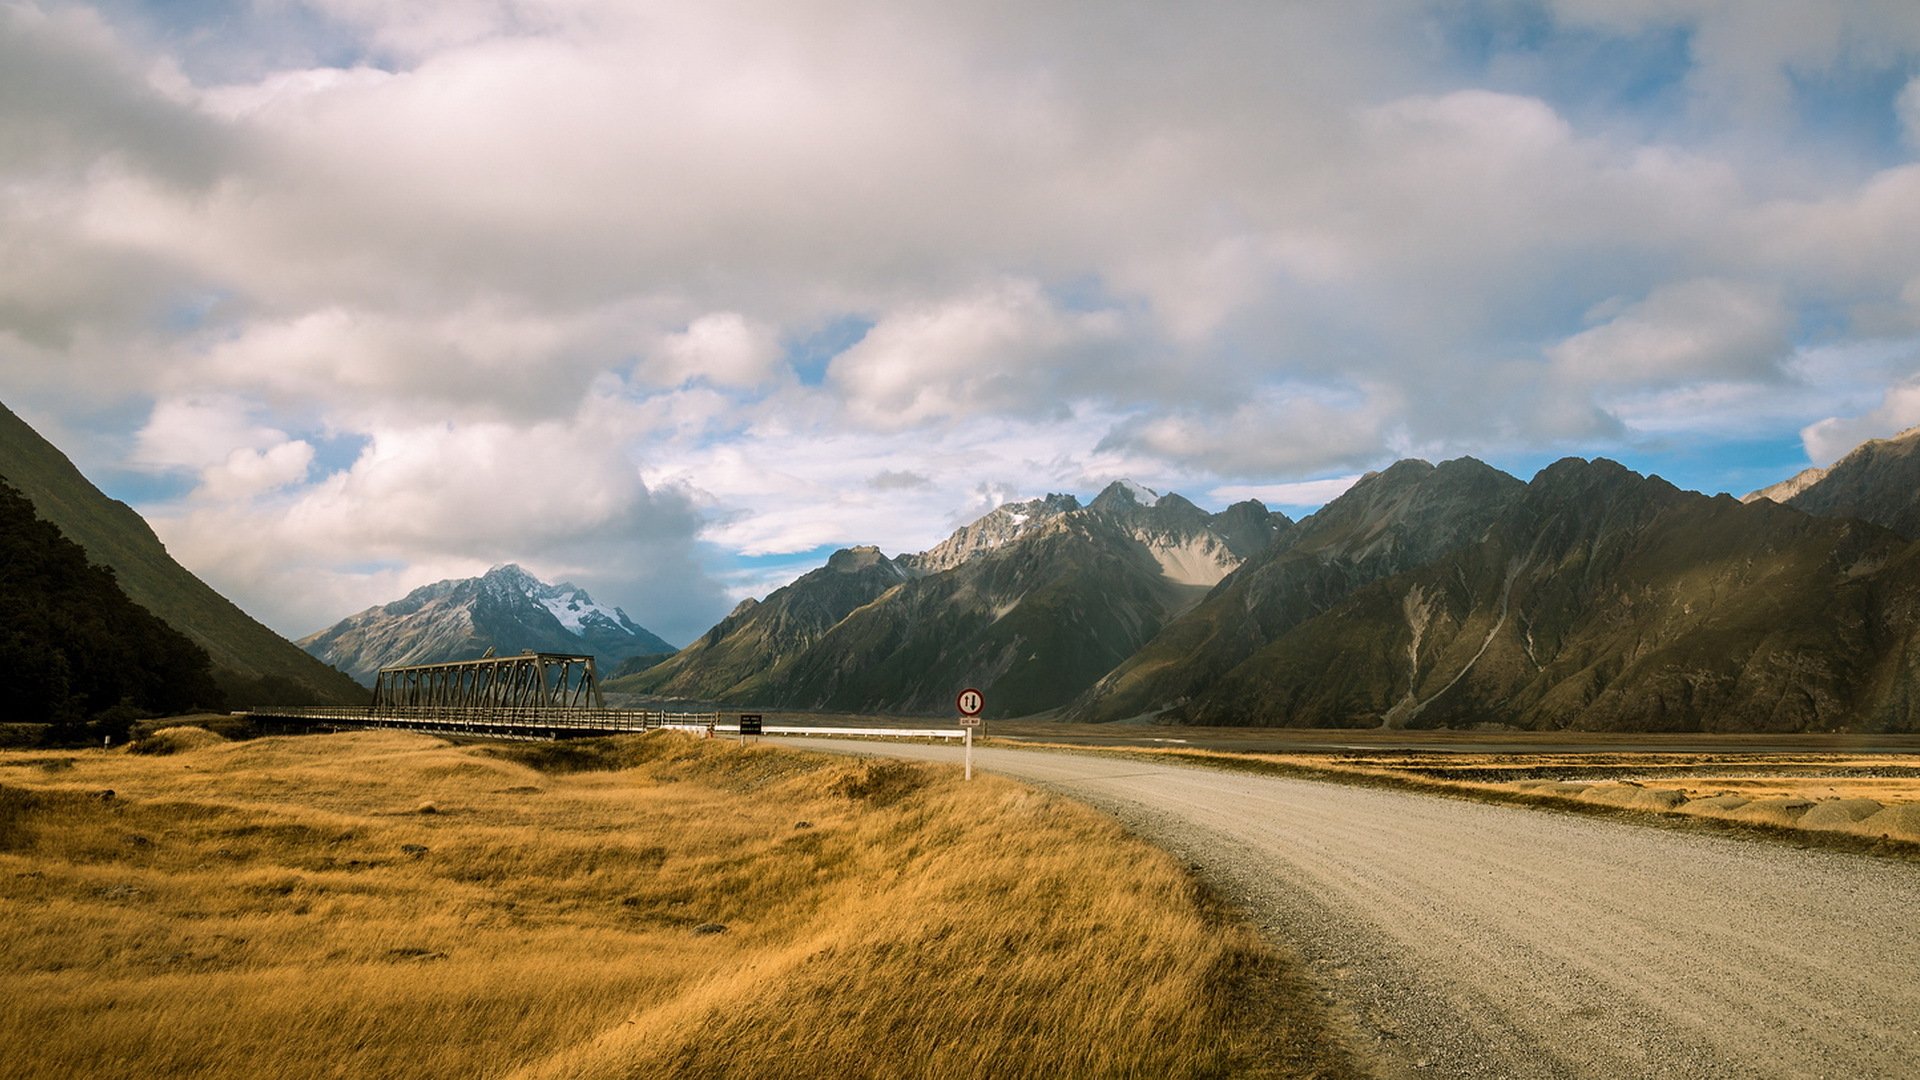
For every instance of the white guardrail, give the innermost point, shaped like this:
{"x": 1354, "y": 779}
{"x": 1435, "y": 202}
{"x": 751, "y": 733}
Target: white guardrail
{"x": 842, "y": 732}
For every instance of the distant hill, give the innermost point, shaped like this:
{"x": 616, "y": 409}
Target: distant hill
{"x": 1031, "y": 603}
{"x": 72, "y": 645}
{"x": 506, "y": 609}
{"x": 734, "y": 660}
{"x": 1878, "y": 481}
{"x": 252, "y": 664}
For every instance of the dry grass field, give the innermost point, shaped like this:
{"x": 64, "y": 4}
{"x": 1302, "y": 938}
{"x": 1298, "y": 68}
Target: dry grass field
{"x": 391, "y": 905}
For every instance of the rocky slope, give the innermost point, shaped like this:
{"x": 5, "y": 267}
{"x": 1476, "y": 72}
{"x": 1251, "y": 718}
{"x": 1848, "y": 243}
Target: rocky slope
{"x": 251, "y": 664}
{"x": 1031, "y": 604}
{"x": 506, "y": 609}
{"x": 1391, "y": 521}
{"x": 1879, "y": 481}
{"x": 734, "y": 660}
{"x": 1603, "y": 600}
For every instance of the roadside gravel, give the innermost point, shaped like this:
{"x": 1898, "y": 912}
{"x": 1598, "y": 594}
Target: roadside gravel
{"x": 1473, "y": 940}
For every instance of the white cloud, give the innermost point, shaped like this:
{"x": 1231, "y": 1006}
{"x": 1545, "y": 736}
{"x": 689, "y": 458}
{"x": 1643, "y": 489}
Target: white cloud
{"x": 1006, "y": 349}
{"x": 485, "y": 358}
{"x": 198, "y": 431}
{"x": 1690, "y": 330}
{"x": 247, "y": 473}
{"x": 435, "y": 498}
{"x": 529, "y": 251}
{"x": 723, "y": 348}
{"x": 1828, "y": 440}
{"x": 1282, "y": 432}
{"x": 1301, "y": 493}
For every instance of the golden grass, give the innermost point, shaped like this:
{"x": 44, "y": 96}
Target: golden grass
{"x": 387, "y": 904}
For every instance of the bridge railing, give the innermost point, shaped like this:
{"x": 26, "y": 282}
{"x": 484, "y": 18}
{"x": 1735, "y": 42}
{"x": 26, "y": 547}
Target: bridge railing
{"x": 533, "y": 716}
{"x": 551, "y": 721}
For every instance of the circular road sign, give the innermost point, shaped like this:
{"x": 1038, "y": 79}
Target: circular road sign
{"x": 970, "y": 702}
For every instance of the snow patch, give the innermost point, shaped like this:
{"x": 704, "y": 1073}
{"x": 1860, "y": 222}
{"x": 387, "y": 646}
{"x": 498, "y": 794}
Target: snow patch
{"x": 1143, "y": 495}
{"x": 575, "y": 608}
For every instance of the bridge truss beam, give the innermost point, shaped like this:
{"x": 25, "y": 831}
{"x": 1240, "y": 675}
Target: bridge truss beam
{"x": 528, "y": 681}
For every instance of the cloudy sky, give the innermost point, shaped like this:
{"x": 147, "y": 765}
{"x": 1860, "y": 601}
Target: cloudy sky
{"x": 671, "y": 299}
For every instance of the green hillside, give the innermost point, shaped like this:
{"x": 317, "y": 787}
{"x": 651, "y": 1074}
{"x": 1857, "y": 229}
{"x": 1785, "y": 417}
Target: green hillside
{"x": 73, "y": 647}
{"x": 252, "y": 664}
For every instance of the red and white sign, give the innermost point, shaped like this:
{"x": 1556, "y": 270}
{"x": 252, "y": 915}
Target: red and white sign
{"x": 970, "y": 702}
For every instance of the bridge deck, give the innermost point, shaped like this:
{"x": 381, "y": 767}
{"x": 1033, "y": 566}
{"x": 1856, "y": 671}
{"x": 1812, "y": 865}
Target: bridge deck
{"x": 551, "y": 722}
{"x": 530, "y": 722}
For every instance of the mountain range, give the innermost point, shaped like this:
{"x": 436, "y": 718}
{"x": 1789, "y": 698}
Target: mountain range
{"x": 1448, "y": 595}
{"x": 1030, "y": 604}
{"x": 251, "y": 664}
{"x": 506, "y": 609}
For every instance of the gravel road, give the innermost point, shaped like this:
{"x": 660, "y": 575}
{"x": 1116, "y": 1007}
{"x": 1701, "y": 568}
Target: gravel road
{"x": 1473, "y": 940}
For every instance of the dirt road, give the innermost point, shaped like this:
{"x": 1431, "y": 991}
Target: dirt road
{"x": 1485, "y": 941}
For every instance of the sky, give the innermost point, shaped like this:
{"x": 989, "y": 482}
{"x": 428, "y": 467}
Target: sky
{"x": 673, "y": 299}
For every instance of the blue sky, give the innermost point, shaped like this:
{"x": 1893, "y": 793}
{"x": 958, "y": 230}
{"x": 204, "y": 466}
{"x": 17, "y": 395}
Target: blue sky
{"x": 673, "y": 299}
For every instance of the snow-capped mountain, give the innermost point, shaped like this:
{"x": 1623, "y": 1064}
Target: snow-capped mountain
{"x": 506, "y": 609}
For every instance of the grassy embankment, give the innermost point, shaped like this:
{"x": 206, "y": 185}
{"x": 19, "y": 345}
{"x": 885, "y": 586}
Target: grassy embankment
{"x": 387, "y": 904}
{"x": 1860, "y": 802}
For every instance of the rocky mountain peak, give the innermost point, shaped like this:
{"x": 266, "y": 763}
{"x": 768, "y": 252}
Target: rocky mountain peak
{"x": 855, "y": 559}
{"x": 1784, "y": 491}
{"x": 999, "y": 527}
{"x": 1598, "y": 475}
{"x": 1879, "y": 481}
{"x": 1126, "y": 493}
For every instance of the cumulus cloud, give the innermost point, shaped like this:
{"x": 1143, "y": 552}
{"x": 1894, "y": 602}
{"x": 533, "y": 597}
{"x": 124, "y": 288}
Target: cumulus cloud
{"x": 722, "y": 348}
{"x": 486, "y": 358}
{"x": 73, "y": 96}
{"x": 248, "y": 472}
{"x": 197, "y": 431}
{"x": 1828, "y": 440}
{"x": 1302, "y": 431}
{"x": 1689, "y": 330}
{"x": 436, "y": 498}
{"x": 570, "y": 260}
{"x": 1006, "y": 349}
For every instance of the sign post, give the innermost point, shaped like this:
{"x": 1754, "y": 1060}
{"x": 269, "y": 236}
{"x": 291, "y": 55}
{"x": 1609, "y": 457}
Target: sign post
{"x": 970, "y": 702}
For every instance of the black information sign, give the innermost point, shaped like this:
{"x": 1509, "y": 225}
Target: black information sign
{"x": 749, "y": 723}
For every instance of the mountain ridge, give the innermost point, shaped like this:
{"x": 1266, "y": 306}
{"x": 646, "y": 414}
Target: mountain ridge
{"x": 1030, "y": 602}
{"x": 1605, "y": 600}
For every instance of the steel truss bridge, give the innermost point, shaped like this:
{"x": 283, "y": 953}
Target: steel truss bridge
{"x": 529, "y": 696}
